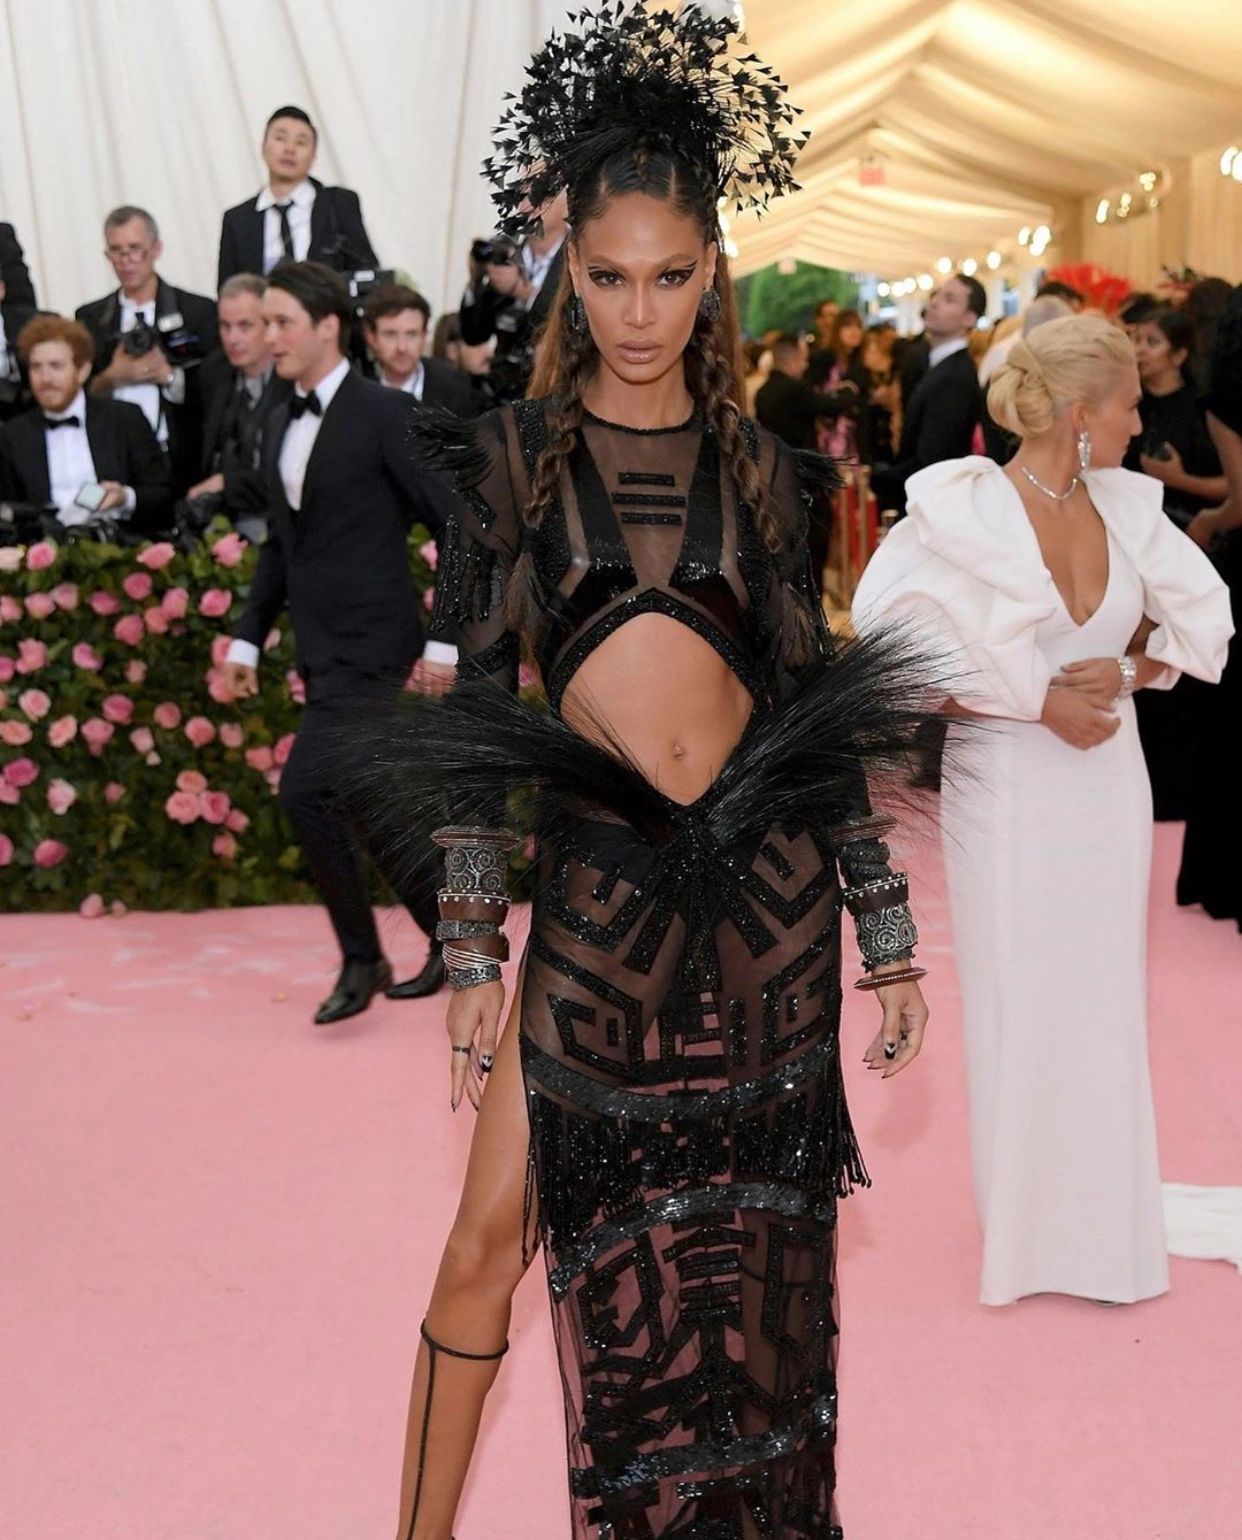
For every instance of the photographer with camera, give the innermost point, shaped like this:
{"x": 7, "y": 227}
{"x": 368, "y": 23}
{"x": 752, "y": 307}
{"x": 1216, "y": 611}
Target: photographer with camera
{"x": 509, "y": 296}
{"x": 149, "y": 339}
{"x": 90, "y": 460}
{"x": 240, "y": 389}
{"x": 294, "y": 218}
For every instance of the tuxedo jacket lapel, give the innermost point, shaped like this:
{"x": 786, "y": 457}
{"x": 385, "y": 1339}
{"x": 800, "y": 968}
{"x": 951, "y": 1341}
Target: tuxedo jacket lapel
{"x": 28, "y": 446}
{"x": 105, "y": 451}
{"x": 273, "y": 439}
{"x": 333, "y": 418}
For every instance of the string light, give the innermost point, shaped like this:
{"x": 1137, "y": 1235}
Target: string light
{"x": 883, "y": 290}
{"x": 926, "y": 282}
{"x": 945, "y": 265}
{"x": 1227, "y": 160}
{"x": 994, "y": 260}
{"x": 970, "y": 267}
{"x": 1024, "y": 236}
{"x": 1102, "y": 210}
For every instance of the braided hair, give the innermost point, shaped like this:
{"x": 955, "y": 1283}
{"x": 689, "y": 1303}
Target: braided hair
{"x": 568, "y": 358}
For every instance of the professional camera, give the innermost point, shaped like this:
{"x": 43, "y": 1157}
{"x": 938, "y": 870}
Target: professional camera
{"x": 498, "y": 252}
{"x": 170, "y": 334}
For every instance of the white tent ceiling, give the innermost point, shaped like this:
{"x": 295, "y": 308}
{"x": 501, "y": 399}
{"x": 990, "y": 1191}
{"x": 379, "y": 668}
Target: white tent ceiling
{"x": 986, "y": 115}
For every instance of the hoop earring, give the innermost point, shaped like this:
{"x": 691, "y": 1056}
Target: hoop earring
{"x": 709, "y": 305}
{"x": 1084, "y": 451}
{"x": 576, "y": 316}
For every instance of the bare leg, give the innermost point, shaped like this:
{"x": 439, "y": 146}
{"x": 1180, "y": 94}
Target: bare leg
{"x": 482, "y": 1265}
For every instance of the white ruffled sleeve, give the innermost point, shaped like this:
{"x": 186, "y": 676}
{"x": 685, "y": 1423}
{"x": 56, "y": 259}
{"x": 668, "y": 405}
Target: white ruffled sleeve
{"x": 1182, "y": 591}
{"x": 943, "y": 573}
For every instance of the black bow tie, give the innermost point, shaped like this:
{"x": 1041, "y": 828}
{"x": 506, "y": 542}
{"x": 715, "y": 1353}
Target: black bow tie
{"x": 62, "y": 422}
{"x": 299, "y": 404}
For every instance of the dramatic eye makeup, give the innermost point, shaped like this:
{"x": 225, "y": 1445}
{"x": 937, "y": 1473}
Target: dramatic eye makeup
{"x": 670, "y": 278}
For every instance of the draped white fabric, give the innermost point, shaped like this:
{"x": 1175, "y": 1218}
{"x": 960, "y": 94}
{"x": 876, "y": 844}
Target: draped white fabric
{"x": 162, "y": 103}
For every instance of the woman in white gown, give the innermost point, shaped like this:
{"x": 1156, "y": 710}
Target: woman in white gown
{"x": 1058, "y": 586}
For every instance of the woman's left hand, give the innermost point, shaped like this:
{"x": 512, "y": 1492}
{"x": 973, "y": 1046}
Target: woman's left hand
{"x": 1097, "y": 677}
{"x": 1170, "y": 469}
{"x": 905, "y": 1016}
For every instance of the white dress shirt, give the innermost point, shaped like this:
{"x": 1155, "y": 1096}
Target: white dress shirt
{"x": 303, "y": 200}
{"x": 150, "y": 398}
{"x": 944, "y": 350}
{"x": 413, "y": 386}
{"x": 70, "y": 464}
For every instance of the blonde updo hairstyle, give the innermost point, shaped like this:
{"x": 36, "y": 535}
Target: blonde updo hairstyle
{"x": 1056, "y": 366}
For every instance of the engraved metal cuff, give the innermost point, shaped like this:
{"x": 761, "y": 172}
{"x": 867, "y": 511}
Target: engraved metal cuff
{"x": 886, "y": 935}
{"x": 474, "y": 858}
{"x": 882, "y": 893}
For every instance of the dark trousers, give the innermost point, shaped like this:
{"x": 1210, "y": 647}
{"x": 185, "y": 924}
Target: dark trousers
{"x": 317, "y": 802}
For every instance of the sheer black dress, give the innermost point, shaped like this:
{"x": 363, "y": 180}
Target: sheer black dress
{"x": 681, "y": 989}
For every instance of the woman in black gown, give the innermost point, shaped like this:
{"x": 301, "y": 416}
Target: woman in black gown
{"x": 665, "y": 1112}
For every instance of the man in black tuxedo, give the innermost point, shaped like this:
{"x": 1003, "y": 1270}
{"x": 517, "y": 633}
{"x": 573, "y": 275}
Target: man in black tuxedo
{"x": 787, "y": 406}
{"x": 241, "y": 390}
{"x": 71, "y": 441}
{"x": 155, "y": 369}
{"x": 395, "y": 319}
{"x": 947, "y": 403}
{"x": 344, "y": 488}
{"x": 17, "y": 306}
{"x": 294, "y": 218}
{"x": 510, "y": 296}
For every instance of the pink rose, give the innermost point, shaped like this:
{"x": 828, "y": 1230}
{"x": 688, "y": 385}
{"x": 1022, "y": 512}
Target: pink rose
{"x": 10, "y": 610}
{"x": 181, "y": 807}
{"x": 229, "y": 550}
{"x": 429, "y": 553}
{"x": 118, "y": 709}
{"x": 50, "y": 853}
{"x": 220, "y": 650}
{"x": 91, "y": 907}
{"x": 272, "y": 777}
{"x": 167, "y": 715}
{"x": 65, "y": 596}
{"x": 60, "y": 796}
{"x": 21, "y": 772}
{"x": 231, "y": 735}
{"x": 15, "y": 734}
{"x": 215, "y": 602}
{"x": 157, "y": 556}
{"x": 260, "y": 759}
{"x": 200, "y": 732}
{"x": 218, "y": 687}
{"x": 135, "y": 671}
{"x": 35, "y": 703}
{"x": 429, "y": 599}
{"x": 119, "y": 909}
{"x": 7, "y": 669}
{"x": 224, "y": 846}
{"x": 281, "y": 752}
{"x": 62, "y": 731}
{"x": 143, "y": 740}
{"x": 97, "y": 735}
{"x": 129, "y": 629}
{"x": 213, "y": 806}
{"x": 237, "y": 821}
{"x": 4, "y": 700}
{"x": 104, "y": 603}
{"x": 85, "y": 656}
{"x": 41, "y": 556}
{"x": 40, "y": 606}
{"x": 6, "y": 850}
{"x": 527, "y": 677}
{"x": 175, "y": 603}
{"x": 156, "y": 620}
{"x": 192, "y": 781}
{"x": 138, "y": 585}
{"x": 31, "y": 657}
{"x": 297, "y": 687}
{"x": 10, "y": 796}
{"x": 113, "y": 792}
{"x": 272, "y": 640}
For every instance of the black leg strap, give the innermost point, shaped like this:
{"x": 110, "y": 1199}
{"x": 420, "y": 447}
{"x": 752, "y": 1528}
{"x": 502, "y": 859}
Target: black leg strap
{"x": 439, "y": 1347}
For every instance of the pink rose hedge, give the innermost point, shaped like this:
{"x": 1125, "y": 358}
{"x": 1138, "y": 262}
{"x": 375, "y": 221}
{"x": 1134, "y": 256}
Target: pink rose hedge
{"x": 128, "y": 779}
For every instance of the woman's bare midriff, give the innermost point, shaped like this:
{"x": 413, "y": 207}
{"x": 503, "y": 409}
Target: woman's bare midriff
{"x": 667, "y": 697}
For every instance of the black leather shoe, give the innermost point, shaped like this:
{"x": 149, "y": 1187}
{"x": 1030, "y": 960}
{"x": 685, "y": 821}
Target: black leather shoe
{"x": 422, "y": 984}
{"x": 357, "y": 986}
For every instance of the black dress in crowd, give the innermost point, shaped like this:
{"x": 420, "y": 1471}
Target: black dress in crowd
{"x": 681, "y": 987}
{"x": 1211, "y": 870}
{"x": 1170, "y": 722}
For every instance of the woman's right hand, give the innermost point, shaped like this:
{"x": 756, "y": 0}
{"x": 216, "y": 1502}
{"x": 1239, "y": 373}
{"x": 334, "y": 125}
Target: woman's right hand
{"x": 473, "y": 1017}
{"x": 1078, "y": 719}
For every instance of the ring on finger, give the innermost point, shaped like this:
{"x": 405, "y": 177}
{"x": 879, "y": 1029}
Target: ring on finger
{"x": 456, "y": 1049}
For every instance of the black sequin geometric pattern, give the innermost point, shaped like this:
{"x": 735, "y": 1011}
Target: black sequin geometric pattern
{"x": 681, "y": 997}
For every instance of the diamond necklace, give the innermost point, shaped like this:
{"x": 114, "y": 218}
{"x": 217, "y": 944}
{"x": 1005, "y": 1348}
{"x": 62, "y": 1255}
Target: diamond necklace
{"x": 1057, "y": 497}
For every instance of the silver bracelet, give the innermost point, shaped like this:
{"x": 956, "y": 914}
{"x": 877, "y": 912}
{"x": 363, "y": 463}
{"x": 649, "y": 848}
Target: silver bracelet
{"x": 886, "y": 935}
{"x": 475, "y": 859}
{"x": 1129, "y": 677}
{"x": 467, "y": 978}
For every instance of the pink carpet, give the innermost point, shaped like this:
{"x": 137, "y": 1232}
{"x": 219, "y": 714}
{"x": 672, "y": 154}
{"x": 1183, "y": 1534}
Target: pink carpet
{"x": 220, "y": 1226}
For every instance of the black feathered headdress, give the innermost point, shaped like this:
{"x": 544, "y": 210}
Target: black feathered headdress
{"x": 655, "y": 79}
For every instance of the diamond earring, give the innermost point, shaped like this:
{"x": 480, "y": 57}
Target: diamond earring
{"x": 577, "y": 318}
{"x": 1084, "y": 451}
{"x": 709, "y": 305}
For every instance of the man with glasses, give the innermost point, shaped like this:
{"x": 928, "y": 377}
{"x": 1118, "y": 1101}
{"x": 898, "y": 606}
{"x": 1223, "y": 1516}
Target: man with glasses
{"x": 149, "y": 339}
